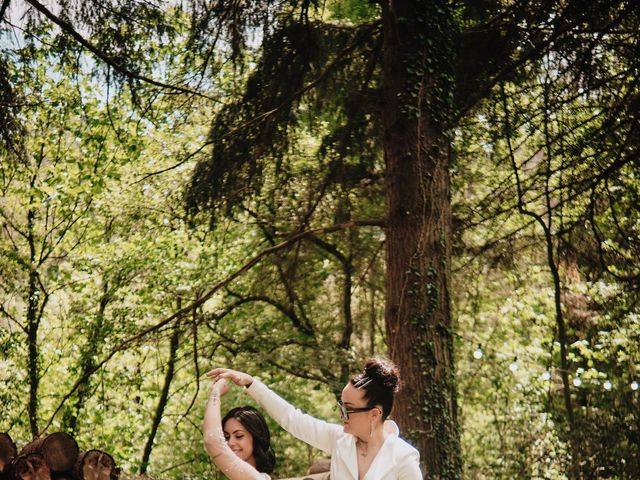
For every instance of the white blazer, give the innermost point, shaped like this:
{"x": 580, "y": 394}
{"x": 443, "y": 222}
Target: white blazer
{"x": 396, "y": 459}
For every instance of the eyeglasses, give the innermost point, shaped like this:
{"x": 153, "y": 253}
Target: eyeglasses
{"x": 344, "y": 411}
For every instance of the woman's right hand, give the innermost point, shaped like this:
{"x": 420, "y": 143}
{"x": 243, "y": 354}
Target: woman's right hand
{"x": 239, "y": 378}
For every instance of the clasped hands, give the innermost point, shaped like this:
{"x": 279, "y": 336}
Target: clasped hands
{"x": 220, "y": 374}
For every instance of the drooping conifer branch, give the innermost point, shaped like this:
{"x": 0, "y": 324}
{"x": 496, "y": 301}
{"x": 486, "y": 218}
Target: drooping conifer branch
{"x": 68, "y": 28}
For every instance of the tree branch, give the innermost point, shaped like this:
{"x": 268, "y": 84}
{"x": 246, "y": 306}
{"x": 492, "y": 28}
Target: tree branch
{"x": 69, "y": 29}
{"x": 3, "y": 9}
{"x": 292, "y": 240}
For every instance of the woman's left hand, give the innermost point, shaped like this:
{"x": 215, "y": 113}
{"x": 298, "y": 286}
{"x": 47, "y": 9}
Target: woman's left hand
{"x": 219, "y": 387}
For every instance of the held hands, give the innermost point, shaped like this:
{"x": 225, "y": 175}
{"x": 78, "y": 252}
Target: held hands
{"x": 239, "y": 378}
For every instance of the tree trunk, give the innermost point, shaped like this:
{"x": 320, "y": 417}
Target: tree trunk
{"x": 346, "y": 261}
{"x": 164, "y": 397}
{"x": 87, "y": 362}
{"x": 418, "y": 93}
{"x": 33, "y": 359}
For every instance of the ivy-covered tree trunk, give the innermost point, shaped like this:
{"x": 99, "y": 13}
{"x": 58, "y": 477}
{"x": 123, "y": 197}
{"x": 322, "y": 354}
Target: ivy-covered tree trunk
{"x": 33, "y": 361}
{"x": 418, "y": 93}
{"x": 33, "y": 324}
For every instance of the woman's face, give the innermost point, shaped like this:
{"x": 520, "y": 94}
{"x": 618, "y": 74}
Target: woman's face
{"x": 358, "y": 423}
{"x": 239, "y": 440}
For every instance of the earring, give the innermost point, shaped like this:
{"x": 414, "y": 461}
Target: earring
{"x": 370, "y": 429}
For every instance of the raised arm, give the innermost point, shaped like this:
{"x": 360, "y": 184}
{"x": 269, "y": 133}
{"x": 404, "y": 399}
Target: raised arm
{"x": 215, "y": 443}
{"x": 315, "y": 432}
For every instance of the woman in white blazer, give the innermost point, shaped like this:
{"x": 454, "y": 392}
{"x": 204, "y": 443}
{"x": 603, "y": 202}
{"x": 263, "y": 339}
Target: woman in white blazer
{"x": 366, "y": 446}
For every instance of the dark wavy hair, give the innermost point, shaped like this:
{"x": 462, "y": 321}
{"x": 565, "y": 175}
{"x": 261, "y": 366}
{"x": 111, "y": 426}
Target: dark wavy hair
{"x": 254, "y": 422}
{"x": 380, "y": 381}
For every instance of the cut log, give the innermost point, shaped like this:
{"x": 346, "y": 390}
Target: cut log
{"x": 31, "y": 466}
{"x": 8, "y": 450}
{"x": 59, "y": 450}
{"x": 116, "y": 473}
{"x": 95, "y": 465}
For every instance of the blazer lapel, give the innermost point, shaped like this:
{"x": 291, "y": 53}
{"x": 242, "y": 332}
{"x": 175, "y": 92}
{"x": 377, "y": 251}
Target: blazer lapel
{"x": 382, "y": 464}
{"x": 384, "y": 461}
{"x": 348, "y": 456}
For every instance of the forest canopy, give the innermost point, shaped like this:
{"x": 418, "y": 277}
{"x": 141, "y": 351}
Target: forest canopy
{"x": 287, "y": 188}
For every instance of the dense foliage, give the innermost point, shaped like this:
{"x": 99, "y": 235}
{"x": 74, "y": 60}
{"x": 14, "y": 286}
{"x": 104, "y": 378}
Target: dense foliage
{"x": 210, "y": 192}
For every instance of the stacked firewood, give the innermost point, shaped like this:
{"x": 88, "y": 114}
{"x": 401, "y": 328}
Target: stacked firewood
{"x": 54, "y": 456}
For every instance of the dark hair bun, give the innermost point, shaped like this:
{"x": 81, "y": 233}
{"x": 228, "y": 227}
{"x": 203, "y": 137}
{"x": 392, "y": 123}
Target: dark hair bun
{"x": 384, "y": 372}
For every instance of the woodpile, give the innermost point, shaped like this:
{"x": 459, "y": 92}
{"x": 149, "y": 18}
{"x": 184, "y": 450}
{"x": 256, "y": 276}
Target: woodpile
{"x": 55, "y": 456}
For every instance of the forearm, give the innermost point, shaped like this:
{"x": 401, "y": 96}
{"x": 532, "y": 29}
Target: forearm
{"x": 214, "y": 441}
{"x": 313, "y": 431}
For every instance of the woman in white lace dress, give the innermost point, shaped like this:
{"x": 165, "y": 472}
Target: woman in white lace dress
{"x": 239, "y": 444}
